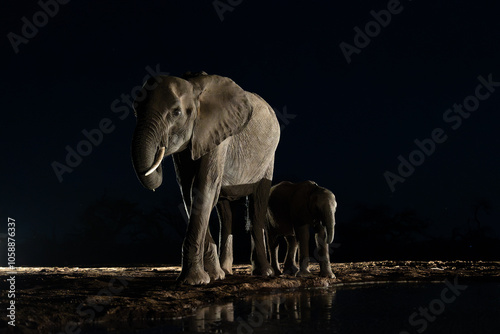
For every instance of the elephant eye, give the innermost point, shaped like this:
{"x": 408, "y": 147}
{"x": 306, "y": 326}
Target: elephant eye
{"x": 177, "y": 112}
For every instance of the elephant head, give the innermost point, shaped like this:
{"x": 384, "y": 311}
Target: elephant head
{"x": 323, "y": 206}
{"x": 174, "y": 114}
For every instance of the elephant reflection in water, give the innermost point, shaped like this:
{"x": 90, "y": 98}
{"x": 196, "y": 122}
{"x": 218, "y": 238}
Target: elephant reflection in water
{"x": 210, "y": 315}
{"x": 293, "y": 306}
{"x": 298, "y": 306}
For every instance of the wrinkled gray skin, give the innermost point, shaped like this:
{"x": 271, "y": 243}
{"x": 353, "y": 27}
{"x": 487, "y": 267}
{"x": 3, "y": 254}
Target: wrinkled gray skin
{"x": 293, "y": 208}
{"x": 222, "y": 140}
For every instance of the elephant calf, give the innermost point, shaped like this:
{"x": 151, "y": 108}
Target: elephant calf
{"x": 293, "y": 207}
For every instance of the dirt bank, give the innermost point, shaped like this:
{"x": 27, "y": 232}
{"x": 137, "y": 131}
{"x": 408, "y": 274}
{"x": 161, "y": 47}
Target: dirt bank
{"x": 51, "y": 299}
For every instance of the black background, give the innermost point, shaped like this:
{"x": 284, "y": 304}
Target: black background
{"x": 350, "y": 121}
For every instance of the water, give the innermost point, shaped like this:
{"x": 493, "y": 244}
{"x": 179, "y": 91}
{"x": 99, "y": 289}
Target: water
{"x": 382, "y": 308}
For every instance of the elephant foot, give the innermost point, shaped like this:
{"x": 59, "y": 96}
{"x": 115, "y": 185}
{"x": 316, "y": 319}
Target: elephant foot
{"x": 193, "y": 276}
{"x": 226, "y": 258}
{"x": 266, "y": 271}
{"x": 304, "y": 273}
{"x": 216, "y": 274}
{"x": 291, "y": 270}
{"x": 228, "y": 270}
{"x": 326, "y": 271}
{"x": 277, "y": 271}
{"x": 211, "y": 263}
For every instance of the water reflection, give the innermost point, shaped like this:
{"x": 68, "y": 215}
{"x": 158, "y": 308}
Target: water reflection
{"x": 249, "y": 314}
{"x": 383, "y": 308}
{"x": 210, "y": 316}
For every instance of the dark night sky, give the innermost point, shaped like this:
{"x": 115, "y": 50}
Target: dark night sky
{"x": 352, "y": 120}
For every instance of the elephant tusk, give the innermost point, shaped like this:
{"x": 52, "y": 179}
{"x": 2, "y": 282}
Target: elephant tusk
{"x": 157, "y": 162}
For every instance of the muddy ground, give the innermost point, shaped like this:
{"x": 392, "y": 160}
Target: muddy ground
{"x": 60, "y": 299}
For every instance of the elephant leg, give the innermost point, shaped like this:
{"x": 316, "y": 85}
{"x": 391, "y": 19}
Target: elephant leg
{"x": 193, "y": 248}
{"x": 273, "y": 249}
{"x": 290, "y": 266}
{"x": 226, "y": 236}
{"x": 302, "y": 233}
{"x": 323, "y": 255}
{"x": 259, "y": 260}
{"x": 211, "y": 260}
{"x": 185, "y": 170}
{"x": 204, "y": 192}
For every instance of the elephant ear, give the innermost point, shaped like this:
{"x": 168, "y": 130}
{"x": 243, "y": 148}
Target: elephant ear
{"x": 223, "y": 111}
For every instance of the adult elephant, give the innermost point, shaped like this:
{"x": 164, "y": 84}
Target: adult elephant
{"x": 293, "y": 209}
{"x": 222, "y": 140}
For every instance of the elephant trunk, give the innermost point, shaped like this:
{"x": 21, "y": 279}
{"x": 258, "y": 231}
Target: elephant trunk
{"x": 328, "y": 219}
{"x": 147, "y": 153}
